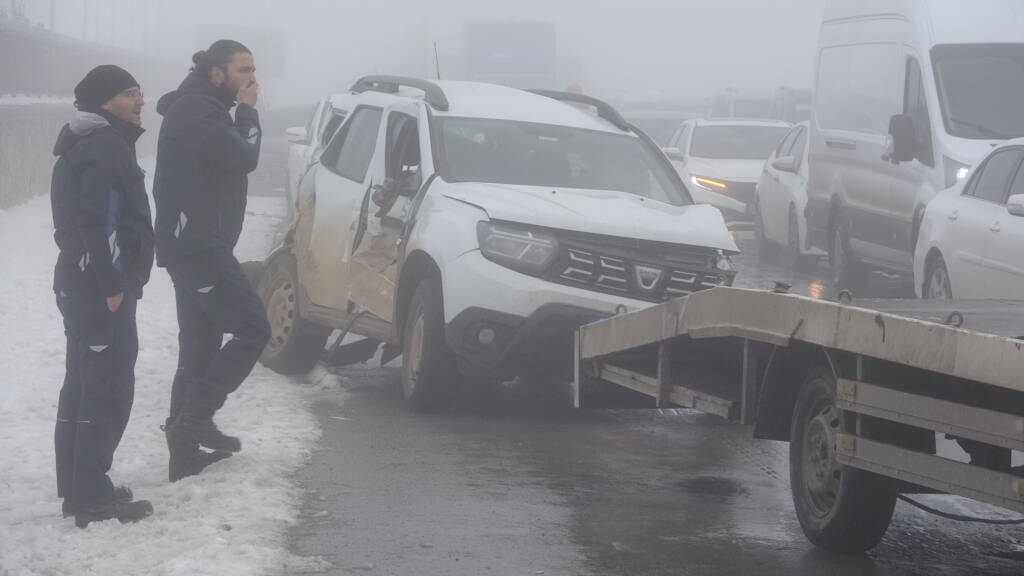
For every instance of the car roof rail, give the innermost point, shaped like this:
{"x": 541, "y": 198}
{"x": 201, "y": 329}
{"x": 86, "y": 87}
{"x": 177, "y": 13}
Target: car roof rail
{"x": 604, "y": 109}
{"x": 433, "y": 93}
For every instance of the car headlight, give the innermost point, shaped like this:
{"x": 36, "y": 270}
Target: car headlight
{"x": 955, "y": 171}
{"x": 709, "y": 184}
{"x": 516, "y": 247}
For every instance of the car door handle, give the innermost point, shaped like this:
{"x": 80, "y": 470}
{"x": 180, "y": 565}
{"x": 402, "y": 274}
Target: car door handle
{"x": 995, "y": 227}
{"x": 953, "y": 215}
{"x": 841, "y": 144}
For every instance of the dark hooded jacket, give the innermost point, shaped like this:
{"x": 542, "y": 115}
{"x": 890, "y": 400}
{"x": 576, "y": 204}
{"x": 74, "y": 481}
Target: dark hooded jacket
{"x": 203, "y": 161}
{"x": 101, "y": 214}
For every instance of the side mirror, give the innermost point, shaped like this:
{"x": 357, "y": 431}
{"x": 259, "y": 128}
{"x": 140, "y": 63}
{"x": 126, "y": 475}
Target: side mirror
{"x": 1015, "y": 205}
{"x": 674, "y": 154}
{"x": 786, "y": 164}
{"x": 902, "y": 139}
{"x": 297, "y": 135}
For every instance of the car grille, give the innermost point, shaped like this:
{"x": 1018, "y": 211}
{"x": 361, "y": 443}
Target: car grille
{"x": 640, "y": 270}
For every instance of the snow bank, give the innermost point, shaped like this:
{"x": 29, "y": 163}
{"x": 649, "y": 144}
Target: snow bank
{"x": 229, "y": 520}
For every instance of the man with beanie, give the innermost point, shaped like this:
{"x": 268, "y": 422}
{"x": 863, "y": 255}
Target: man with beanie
{"x": 204, "y": 157}
{"x": 105, "y": 235}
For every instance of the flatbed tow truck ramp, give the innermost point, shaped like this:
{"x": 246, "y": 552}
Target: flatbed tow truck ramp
{"x": 859, "y": 390}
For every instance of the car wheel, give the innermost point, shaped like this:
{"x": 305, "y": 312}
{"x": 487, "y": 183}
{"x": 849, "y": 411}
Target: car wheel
{"x": 847, "y": 272}
{"x": 295, "y": 344}
{"x": 841, "y": 509}
{"x": 794, "y": 256}
{"x": 428, "y": 366}
{"x": 937, "y": 285}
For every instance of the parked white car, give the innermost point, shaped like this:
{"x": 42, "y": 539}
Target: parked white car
{"x": 473, "y": 227}
{"x": 721, "y": 160}
{"x": 781, "y": 199}
{"x": 972, "y": 234}
{"x": 309, "y": 141}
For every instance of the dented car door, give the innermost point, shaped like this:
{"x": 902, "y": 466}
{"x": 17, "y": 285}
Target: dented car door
{"x": 399, "y": 169}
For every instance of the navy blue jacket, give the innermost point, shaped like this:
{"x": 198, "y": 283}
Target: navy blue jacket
{"x": 101, "y": 217}
{"x": 203, "y": 161}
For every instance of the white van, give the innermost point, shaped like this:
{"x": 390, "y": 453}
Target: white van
{"x": 909, "y": 95}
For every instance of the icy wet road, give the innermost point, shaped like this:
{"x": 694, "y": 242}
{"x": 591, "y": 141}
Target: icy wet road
{"x": 512, "y": 485}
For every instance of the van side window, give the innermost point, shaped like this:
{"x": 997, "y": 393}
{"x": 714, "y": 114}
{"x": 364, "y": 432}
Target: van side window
{"x": 916, "y": 106}
{"x": 993, "y": 181}
{"x": 858, "y": 88}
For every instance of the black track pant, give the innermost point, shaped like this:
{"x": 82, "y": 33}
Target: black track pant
{"x": 214, "y": 298}
{"x": 97, "y": 395}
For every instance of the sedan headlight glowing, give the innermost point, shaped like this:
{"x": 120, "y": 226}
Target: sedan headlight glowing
{"x": 516, "y": 247}
{"x": 709, "y": 184}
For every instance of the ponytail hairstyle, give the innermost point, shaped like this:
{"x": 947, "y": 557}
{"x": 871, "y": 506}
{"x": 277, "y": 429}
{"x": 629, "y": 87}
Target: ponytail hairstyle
{"x": 216, "y": 56}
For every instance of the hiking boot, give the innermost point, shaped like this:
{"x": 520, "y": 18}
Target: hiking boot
{"x": 185, "y": 462}
{"x": 121, "y": 494}
{"x": 125, "y": 512}
{"x": 201, "y": 432}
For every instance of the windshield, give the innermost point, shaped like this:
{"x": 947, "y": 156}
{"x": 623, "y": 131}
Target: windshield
{"x": 528, "y": 154}
{"x": 660, "y": 130}
{"x": 981, "y": 90}
{"x": 736, "y": 142}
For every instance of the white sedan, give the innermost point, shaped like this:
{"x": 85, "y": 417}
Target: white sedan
{"x": 781, "y": 199}
{"x": 721, "y": 160}
{"x": 971, "y": 236}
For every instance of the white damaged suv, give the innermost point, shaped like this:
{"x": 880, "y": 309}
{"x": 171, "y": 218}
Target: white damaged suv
{"x": 471, "y": 228}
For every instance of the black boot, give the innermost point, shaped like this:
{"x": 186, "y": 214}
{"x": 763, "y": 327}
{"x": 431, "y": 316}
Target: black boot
{"x": 125, "y": 512}
{"x": 201, "y": 432}
{"x": 186, "y": 459}
{"x": 121, "y": 494}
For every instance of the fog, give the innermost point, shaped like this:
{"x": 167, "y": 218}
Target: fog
{"x": 303, "y": 48}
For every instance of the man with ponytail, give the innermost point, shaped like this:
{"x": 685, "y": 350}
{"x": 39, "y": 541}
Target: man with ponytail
{"x": 204, "y": 157}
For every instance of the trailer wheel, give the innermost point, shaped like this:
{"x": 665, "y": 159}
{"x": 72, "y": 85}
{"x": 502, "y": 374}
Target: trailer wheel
{"x": 840, "y": 509}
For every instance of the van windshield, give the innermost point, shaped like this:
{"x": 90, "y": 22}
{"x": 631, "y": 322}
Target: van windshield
{"x": 981, "y": 88}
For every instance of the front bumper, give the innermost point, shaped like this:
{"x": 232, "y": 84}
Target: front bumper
{"x": 512, "y": 345}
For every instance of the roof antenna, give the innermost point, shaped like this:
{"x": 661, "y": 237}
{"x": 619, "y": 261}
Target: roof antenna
{"x": 437, "y": 61}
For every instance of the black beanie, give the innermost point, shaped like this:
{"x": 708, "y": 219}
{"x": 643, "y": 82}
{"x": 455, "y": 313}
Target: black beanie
{"x": 101, "y": 84}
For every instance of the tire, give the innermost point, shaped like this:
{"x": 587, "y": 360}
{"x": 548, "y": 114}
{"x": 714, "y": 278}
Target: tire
{"x": 937, "y": 285}
{"x": 840, "y": 509}
{"x": 847, "y": 272}
{"x": 794, "y": 257}
{"x": 295, "y": 344}
{"x": 428, "y": 366}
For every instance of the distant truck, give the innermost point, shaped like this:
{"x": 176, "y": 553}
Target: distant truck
{"x": 786, "y": 104}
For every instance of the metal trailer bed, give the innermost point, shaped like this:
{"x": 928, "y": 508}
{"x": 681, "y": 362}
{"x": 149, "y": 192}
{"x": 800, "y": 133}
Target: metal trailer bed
{"x": 860, "y": 391}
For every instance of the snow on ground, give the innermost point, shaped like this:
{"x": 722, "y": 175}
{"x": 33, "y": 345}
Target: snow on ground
{"x": 229, "y": 520}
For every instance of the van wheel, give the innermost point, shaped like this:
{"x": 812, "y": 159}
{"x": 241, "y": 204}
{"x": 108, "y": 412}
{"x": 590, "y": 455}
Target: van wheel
{"x": 847, "y": 272}
{"x": 840, "y": 509}
{"x": 295, "y": 344}
{"x": 794, "y": 257}
{"x": 428, "y": 366}
{"x": 937, "y": 285}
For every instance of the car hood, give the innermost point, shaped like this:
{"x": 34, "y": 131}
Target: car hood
{"x": 598, "y": 212}
{"x": 735, "y": 170}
